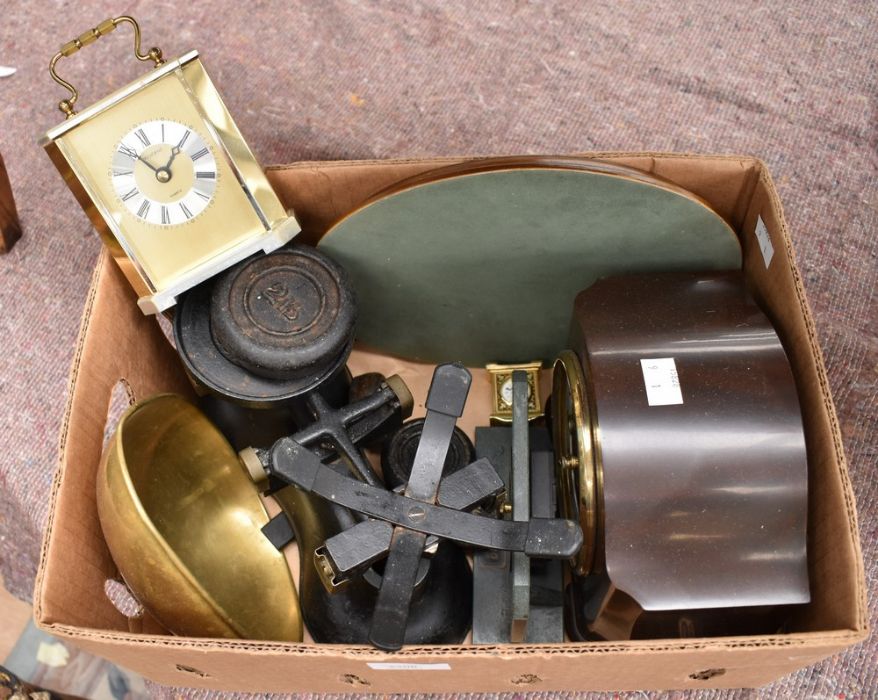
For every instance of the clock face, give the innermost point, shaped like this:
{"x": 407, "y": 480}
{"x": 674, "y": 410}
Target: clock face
{"x": 175, "y": 189}
{"x": 164, "y": 172}
{"x": 506, "y": 392}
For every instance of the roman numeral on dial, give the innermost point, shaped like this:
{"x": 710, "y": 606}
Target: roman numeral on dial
{"x": 161, "y": 187}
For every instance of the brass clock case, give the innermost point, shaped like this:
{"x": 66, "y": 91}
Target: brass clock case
{"x": 174, "y": 248}
{"x": 501, "y": 384}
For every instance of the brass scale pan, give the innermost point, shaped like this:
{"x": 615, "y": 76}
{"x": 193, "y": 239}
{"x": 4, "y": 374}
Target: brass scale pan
{"x": 183, "y": 520}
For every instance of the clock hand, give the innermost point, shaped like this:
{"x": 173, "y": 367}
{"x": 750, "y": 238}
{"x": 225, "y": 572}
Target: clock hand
{"x": 148, "y": 164}
{"x": 163, "y": 174}
{"x": 174, "y": 151}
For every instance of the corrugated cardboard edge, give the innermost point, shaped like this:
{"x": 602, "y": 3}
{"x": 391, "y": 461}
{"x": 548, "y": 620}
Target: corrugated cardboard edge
{"x": 829, "y": 404}
{"x": 62, "y": 437}
{"x": 509, "y": 651}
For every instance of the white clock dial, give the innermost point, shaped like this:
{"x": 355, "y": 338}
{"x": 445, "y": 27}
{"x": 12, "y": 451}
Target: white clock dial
{"x": 506, "y": 391}
{"x": 164, "y": 172}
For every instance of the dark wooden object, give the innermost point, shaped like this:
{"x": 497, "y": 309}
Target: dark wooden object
{"x": 10, "y": 228}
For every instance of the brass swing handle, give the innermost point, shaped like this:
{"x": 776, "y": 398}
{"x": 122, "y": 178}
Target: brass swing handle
{"x": 92, "y": 35}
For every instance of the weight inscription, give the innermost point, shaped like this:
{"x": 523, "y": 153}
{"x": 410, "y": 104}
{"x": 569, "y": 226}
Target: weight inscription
{"x": 278, "y": 295}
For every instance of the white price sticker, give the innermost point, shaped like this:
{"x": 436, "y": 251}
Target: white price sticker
{"x": 389, "y": 666}
{"x": 764, "y": 241}
{"x": 661, "y": 381}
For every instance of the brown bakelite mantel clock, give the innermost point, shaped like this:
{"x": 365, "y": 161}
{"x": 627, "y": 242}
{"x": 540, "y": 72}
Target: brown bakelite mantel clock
{"x": 165, "y": 175}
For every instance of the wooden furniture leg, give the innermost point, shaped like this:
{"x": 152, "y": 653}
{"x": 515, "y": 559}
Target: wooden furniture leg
{"x": 10, "y": 228}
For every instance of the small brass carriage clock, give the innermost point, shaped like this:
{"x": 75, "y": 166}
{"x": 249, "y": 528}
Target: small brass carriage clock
{"x": 165, "y": 175}
{"x": 501, "y": 383}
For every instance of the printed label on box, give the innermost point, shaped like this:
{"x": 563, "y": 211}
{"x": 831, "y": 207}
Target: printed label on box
{"x": 661, "y": 381}
{"x": 389, "y": 666}
{"x": 764, "y": 241}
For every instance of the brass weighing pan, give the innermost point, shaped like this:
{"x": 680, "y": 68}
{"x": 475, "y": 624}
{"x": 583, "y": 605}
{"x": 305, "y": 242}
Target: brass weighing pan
{"x": 481, "y": 261}
{"x": 183, "y": 520}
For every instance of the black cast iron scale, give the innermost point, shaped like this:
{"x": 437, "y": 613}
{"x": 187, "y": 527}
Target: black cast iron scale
{"x": 402, "y": 523}
{"x": 276, "y": 331}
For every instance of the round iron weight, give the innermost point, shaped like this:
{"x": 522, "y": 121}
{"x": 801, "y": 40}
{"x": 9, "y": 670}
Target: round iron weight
{"x": 283, "y": 315}
{"x": 271, "y": 328}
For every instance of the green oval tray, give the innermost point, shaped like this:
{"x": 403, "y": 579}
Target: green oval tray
{"x": 480, "y": 262}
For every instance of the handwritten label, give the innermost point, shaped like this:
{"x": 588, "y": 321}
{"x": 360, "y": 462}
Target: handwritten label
{"x": 661, "y": 381}
{"x": 764, "y": 241}
{"x": 389, "y": 666}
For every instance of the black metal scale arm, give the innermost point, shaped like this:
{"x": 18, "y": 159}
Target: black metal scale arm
{"x": 337, "y": 432}
{"x": 445, "y": 402}
{"x": 352, "y": 551}
{"x": 548, "y": 538}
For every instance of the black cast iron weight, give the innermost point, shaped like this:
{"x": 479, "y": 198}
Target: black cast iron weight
{"x": 270, "y": 329}
{"x": 398, "y": 453}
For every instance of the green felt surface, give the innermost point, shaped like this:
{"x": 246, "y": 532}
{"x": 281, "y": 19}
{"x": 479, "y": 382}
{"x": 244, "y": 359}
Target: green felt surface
{"x": 484, "y": 267}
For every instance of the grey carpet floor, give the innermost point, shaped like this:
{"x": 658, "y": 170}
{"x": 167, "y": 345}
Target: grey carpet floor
{"x": 792, "y": 83}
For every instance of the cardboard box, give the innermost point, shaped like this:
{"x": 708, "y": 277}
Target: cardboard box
{"x": 117, "y": 342}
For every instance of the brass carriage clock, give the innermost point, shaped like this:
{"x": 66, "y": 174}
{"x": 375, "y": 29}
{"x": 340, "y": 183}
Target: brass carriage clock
{"x": 165, "y": 175}
{"x": 501, "y": 383}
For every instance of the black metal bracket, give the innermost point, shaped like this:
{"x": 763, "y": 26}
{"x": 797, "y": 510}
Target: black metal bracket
{"x": 337, "y": 432}
{"x": 279, "y": 531}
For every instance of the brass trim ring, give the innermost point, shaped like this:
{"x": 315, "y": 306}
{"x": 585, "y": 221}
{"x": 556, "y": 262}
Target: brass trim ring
{"x": 576, "y": 469}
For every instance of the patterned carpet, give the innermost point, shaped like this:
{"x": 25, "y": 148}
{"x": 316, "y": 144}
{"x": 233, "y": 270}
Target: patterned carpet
{"x": 794, "y": 84}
